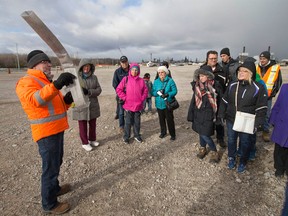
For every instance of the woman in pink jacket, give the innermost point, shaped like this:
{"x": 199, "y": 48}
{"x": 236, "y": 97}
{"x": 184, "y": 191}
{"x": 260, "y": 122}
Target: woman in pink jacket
{"x": 132, "y": 91}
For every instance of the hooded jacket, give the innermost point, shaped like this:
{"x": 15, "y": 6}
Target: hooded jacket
{"x": 251, "y": 98}
{"x": 43, "y": 104}
{"x": 202, "y": 119}
{"x": 90, "y": 83}
{"x": 133, "y": 91}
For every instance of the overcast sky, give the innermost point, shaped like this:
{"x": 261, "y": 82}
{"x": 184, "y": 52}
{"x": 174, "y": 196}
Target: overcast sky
{"x": 137, "y": 28}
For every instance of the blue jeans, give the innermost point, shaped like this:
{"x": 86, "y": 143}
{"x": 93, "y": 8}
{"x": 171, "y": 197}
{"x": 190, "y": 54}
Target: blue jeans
{"x": 207, "y": 140}
{"x": 51, "y": 151}
{"x": 253, "y": 146}
{"x": 266, "y": 125}
{"x": 149, "y": 102}
{"x": 245, "y": 143}
{"x": 132, "y": 119}
{"x": 285, "y": 207}
{"x": 121, "y": 115}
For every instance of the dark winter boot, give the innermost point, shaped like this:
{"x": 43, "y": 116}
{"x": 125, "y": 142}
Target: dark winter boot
{"x": 214, "y": 157}
{"x": 202, "y": 152}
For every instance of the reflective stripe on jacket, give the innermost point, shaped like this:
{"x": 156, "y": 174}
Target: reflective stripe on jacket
{"x": 270, "y": 76}
{"x": 43, "y": 104}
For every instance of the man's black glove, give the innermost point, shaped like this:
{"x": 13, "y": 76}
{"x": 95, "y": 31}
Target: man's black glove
{"x": 68, "y": 99}
{"x": 85, "y": 91}
{"x": 64, "y": 79}
{"x": 165, "y": 95}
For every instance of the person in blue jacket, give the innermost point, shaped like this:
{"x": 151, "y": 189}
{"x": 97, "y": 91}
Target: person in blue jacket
{"x": 164, "y": 88}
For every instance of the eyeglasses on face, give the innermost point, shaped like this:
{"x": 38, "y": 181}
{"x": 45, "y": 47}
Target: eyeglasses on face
{"x": 212, "y": 58}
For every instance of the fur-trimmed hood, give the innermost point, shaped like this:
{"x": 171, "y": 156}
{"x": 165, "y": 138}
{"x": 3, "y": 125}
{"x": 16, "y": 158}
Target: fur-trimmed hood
{"x": 199, "y": 71}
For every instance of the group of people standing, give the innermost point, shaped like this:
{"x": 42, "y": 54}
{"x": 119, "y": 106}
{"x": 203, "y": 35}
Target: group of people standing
{"x": 133, "y": 92}
{"x": 218, "y": 92}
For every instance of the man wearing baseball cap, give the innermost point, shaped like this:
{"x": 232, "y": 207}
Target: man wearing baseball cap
{"x": 270, "y": 73}
{"x": 119, "y": 74}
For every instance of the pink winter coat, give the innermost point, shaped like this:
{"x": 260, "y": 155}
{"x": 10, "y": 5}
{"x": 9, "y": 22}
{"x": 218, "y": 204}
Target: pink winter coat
{"x": 136, "y": 91}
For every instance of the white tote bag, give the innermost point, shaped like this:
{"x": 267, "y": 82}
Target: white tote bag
{"x": 244, "y": 122}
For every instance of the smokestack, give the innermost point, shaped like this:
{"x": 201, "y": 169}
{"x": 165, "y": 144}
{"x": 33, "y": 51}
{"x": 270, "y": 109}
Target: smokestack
{"x": 268, "y": 48}
{"x": 243, "y": 49}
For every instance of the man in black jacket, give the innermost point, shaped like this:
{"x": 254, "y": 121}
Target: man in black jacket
{"x": 228, "y": 64}
{"x": 119, "y": 74}
{"x": 222, "y": 78}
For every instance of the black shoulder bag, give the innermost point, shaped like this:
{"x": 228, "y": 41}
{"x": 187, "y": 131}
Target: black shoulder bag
{"x": 173, "y": 104}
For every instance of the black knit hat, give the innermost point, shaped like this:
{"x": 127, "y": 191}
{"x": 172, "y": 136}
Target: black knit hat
{"x": 35, "y": 57}
{"x": 265, "y": 54}
{"x": 249, "y": 65}
{"x": 225, "y": 51}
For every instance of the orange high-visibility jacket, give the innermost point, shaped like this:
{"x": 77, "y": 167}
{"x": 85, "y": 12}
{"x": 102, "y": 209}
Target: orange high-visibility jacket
{"x": 269, "y": 77}
{"x": 43, "y": 104}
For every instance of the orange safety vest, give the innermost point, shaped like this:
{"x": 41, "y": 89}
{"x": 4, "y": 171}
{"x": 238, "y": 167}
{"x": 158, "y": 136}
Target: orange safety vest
{"x": 43, "y": 104}
{"x": 269, "y": 77}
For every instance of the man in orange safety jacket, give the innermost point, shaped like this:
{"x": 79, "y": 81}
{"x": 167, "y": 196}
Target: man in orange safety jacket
{"x": 46, "y": 109}
{"x": 270, "y": 73}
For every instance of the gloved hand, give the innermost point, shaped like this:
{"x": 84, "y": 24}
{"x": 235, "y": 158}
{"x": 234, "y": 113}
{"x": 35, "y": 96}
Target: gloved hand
{"x": 164, "y": 95}
{"x": 85, "y": 91}
{"x": 64, "y": 79}
{"x": 68, "y": 99}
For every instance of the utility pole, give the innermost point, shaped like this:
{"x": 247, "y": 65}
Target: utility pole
{"x": 18, "y": 65}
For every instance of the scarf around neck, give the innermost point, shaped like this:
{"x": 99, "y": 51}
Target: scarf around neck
{"x": 202, "y": 89}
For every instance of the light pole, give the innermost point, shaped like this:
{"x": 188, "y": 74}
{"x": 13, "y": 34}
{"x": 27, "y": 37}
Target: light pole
{"x": 18, "y": 65}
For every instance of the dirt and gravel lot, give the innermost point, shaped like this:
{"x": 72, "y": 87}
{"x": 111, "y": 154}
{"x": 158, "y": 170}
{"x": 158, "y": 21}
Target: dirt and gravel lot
{"x": 157, "y": 177}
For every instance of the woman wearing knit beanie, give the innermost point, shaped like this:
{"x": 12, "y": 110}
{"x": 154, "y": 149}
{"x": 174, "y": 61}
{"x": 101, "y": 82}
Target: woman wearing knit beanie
{"x": 244, "y": 95}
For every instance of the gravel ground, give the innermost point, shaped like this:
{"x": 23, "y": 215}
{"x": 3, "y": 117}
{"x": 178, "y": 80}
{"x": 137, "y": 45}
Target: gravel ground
{"x": 157, "y": 177}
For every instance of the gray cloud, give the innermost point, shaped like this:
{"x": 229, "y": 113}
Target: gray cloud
{"x": 165, "y": 28}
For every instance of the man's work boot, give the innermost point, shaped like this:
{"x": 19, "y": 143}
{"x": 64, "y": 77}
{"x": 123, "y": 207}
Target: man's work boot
{"x": 266, "y": 136}
{"x": 214, "y": 158}
{"x": 202, "y": 152}
{"x": 60, "y": 208}
{"x": 64, "y": 189}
